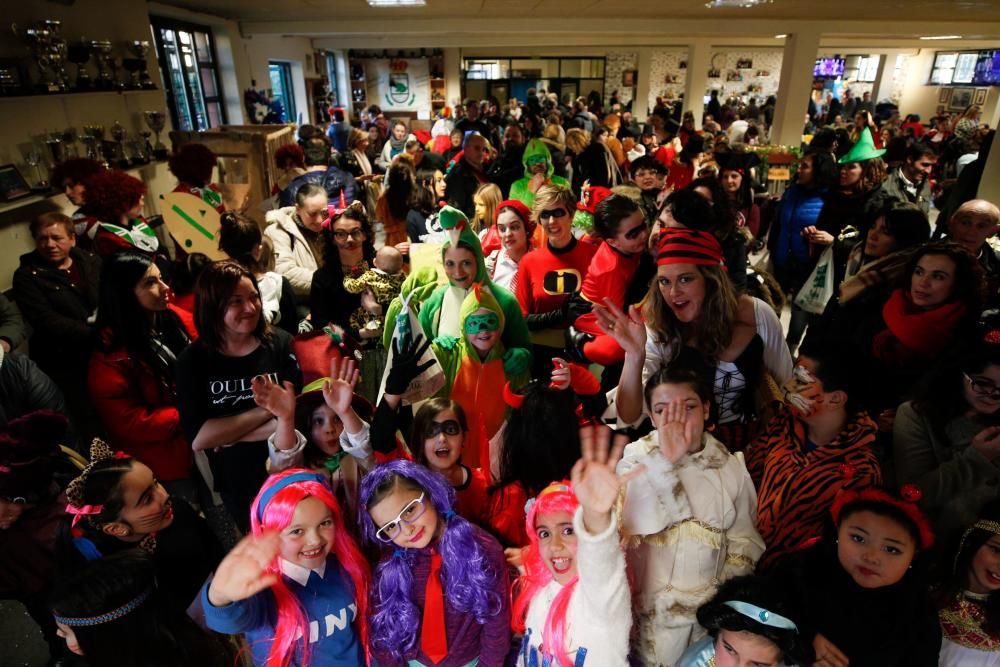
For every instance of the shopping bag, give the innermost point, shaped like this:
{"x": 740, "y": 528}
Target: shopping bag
{"x": 818, "y": 289}
{"x": 432, "y": 379}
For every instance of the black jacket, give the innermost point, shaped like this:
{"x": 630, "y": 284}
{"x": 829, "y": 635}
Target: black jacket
{"x": 24, "y": 388}
{"x": 460, "y": 186}
{"x": 61, "y": 338}
{"x": 507, "y": 168}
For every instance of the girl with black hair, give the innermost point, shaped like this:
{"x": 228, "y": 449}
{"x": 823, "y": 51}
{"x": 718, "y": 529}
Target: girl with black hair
{"x": 947, "y": 440}
{"x": 118, "y": 505}
{"x": 132, "y": 370}
{"x": 424, "y": 204}
{"x": 113, "y": 613}
{"x": 241, "y": 239}
{"x": 861, "y": 592}
{"x": 967, "y": 598}
{"x": 748, "y": 623}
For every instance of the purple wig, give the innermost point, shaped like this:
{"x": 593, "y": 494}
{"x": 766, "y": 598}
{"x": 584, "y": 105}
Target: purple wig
{"x": 469, "y": 579}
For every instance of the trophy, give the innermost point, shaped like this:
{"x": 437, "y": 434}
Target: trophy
{"x": 102, "y": 52}
{"x": 138, "y": 154}
{"x": 93, "y": 138}
{"x": 10, "y": 79}
{"x": 156, "y": 121}
{"x": 78, "y": 53}
{"x": 34, "y": 159}
{"x": 53, "y": 141}
{"x": 119, "y": 135}
{"x": 147, "y": 148}
{"x": 136, "y": 66}
{"x": 69, "y": 138}
{"x": 44, "y": 44}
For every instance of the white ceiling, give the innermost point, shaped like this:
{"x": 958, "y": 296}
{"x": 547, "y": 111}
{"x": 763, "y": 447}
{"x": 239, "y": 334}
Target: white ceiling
{"x": 818, "y": 10}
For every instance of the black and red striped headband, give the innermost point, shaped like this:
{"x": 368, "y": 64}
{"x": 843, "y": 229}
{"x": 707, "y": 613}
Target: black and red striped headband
{"x": 688, "y": 246}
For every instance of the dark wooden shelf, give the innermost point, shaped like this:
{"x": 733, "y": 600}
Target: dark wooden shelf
{"x": 79, "y": 93}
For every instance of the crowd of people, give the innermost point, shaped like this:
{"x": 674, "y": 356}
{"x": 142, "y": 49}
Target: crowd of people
{"x": 577, "y": 432}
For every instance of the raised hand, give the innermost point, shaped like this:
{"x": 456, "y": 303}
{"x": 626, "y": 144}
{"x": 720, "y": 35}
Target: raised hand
{"x": 629, "y": 331}
{"x": 674, "y": 430}
{"x": 277, "y": 399}
{"x": 338, "y": 391}
{"x": 405, "y": 368}
{"x": 561, "y": 375}
{"x": 595, "y": 482}
{"x": 987, "y": 442}
{"x": 242, "y": 573}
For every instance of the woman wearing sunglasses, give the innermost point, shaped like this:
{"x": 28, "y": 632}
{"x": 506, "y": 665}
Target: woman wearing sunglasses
{"x": 439, "y": 593}
{"x": 550, "y": 274}
{"x": 947, "y": 440}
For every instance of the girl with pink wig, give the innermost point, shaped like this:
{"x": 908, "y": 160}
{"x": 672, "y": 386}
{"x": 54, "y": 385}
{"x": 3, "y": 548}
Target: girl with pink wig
{"x": 298, "y": 575}
{"x": 573, "y": 602}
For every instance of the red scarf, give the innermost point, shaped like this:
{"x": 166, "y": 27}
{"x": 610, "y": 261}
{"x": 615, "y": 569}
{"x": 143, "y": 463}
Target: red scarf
{"x": 923, "y": 332}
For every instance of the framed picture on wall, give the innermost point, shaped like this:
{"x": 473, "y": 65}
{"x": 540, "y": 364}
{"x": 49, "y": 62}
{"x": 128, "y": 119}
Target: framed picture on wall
{"x": 980, "y": 96}
{"x": 628, "y": 77}
{"x": 12, "y": 184}
{"x": 744, "y": 63}
{"x": 944, "y": 95}
{"x": 960, "y": 98}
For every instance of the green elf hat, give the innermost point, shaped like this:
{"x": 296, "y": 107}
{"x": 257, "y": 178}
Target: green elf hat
{"x": 862, "y": 151}
{"x": 455, "y": 222}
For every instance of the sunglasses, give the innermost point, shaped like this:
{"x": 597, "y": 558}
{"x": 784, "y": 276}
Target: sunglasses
{"x": 552, "y": 213}
{"x": 413, "y": 511}
{"x": 356, "y": 234}
{"x": 634, "y": 233}
{"x": 448, "y": 427}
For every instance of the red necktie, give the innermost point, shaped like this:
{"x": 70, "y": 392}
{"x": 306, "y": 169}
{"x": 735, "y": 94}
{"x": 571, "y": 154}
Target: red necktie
{"x": 433, "y": 640}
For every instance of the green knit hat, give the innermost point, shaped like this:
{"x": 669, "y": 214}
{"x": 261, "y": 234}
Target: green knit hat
{"x": 863, "y": 150}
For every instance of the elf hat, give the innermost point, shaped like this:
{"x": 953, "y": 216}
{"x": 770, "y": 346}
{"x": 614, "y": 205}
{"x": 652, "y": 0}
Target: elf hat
{"x": 862, "y": 151}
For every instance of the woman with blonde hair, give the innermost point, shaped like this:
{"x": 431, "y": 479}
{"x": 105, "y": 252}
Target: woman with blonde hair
{"x": 692, "y": 304}
{"x": 486, "y": 199}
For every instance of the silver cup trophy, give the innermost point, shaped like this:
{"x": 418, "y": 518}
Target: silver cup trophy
{"x": 102, "y": 54}
{"x": 78, "y": 53}
{"x": 136, "y": 66}
{"x": 119, "y": 134}
{"x": 49, "y": 52}
{"x": 157, "y": 121}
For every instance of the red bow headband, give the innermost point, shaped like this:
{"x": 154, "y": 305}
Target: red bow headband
{"x": 688, "y": 246}
{"x": 910, "y": 493}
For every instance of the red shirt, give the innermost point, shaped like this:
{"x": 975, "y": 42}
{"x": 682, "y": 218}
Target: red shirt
{"x": 608, "y": 277}
{"x": 471, "y": 501}
{"x": 546, "y": 277}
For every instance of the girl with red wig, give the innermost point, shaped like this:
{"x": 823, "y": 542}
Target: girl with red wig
{"x": 573, "y": 603}
{"x": 298, "y": 575}
{"x": 116, "y": 201}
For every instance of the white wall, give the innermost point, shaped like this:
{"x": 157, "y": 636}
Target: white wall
{"x": 297, "y": 51}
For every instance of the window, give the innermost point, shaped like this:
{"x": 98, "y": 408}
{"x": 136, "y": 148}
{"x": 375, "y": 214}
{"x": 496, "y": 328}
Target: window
{"x": 331, "y": 74}
{"x": 965, "y": 67}
{"x": 281, "y": 88}
{"x": 186, "y": 53}
{"x": 944, "y": 67}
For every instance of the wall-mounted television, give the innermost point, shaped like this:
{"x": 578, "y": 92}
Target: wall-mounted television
{"x": 987, "y": 69}
{"x": 829, "y": 67}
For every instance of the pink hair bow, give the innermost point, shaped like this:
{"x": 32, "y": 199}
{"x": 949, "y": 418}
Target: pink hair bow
{"x": 78, "y": 512}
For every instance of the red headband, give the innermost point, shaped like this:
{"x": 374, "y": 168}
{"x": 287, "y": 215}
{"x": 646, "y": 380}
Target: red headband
{"x": 688, "y": 246}
{"x": 512, "y": 398}
{"x": 910, "y": 493}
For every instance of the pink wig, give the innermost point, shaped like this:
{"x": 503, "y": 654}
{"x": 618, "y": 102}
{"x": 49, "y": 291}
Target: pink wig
{"x": 557, "y": 497}
{"x": 277, "y": 515}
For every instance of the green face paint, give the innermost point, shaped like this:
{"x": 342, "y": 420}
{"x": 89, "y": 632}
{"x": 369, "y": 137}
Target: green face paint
{"x": 536, "y": 160}
{"x": 475, "y": 324}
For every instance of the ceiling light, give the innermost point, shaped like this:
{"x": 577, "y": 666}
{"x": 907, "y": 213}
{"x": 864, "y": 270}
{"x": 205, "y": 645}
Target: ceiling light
{"x": 782, "y": 36}
{"x": 397, "y": 3}
{"x": 942, "y": 37}
{"x": 720, "y": 4}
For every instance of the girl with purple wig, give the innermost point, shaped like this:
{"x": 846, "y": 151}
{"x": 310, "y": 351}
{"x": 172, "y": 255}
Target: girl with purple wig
{"x": 298, "y": 575}
{"x": 573, "y": 603}
{"x": 440, "y": 594}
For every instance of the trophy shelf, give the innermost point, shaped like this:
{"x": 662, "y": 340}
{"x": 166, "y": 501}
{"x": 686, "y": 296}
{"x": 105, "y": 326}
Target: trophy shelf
{"x": 78, "y": 93}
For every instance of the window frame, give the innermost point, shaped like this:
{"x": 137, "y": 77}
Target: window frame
{"x": 287, "y": 87}
{"x": 158, "y": 23}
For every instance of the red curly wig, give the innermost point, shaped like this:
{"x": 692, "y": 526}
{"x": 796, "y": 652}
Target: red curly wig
{"x": 112, "y": 193}
{"x": 75, "y": 170}
{"x": 193, "y": 163}
{"x": 289, "y": 156}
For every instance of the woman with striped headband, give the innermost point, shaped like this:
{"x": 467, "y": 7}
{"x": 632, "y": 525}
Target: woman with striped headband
{"x": 111, "y": 612}
{"x": 692, "y": 303}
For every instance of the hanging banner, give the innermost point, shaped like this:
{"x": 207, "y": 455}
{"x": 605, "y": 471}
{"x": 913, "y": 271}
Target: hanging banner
{"x": 399, "y": 84}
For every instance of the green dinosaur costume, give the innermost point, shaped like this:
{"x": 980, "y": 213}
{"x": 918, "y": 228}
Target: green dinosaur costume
{"x": 440, "y": 313}
{"x": 535, "y": 150}
{"x": 421, "y": 284}
{"x": 473, "y": 381}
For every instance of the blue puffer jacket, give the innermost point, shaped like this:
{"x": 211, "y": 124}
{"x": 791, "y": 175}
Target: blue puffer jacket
{"x": 799, "y": 208}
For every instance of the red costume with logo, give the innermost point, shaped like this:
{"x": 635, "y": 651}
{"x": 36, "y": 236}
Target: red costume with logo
{"x": 608, "y": 277}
